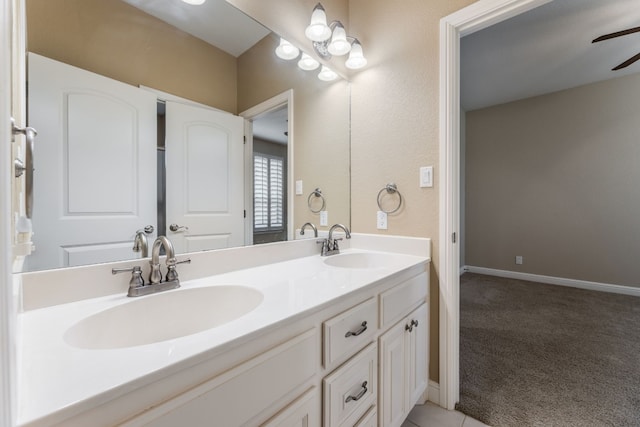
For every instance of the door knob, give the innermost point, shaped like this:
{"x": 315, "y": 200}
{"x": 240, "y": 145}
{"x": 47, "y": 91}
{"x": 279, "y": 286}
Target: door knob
{"x": 178, "y": 228}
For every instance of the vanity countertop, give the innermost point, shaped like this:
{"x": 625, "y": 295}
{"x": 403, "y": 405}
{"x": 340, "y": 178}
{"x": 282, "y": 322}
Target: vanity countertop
{"x": 57, "y": 380}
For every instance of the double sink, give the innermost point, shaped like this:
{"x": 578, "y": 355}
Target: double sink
{"x": 186, "y": 311}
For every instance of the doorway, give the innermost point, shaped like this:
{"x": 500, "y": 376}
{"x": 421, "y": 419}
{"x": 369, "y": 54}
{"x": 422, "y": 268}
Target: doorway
{"x": 475, "y": 17}
{"x": 269, "y": 170}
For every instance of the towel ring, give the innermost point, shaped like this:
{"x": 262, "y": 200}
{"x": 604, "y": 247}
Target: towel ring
{"x": 390, "y": 189}
{"x": 317, "y": 193}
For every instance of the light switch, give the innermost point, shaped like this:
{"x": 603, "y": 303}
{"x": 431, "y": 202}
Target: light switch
{"x": 324, "y": 218}
{"x": 299, "y": 187}
{"x": 426, "y": 176}
{"x": 382, "y": 220}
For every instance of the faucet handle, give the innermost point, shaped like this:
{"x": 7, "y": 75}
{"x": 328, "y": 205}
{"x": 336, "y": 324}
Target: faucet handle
{"x": 172, "y": 273}
{"x": 136, "y": 275}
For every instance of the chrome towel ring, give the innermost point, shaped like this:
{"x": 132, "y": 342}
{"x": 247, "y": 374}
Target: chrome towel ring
{"x": 317, "y": 193}
{"x": 390, "y": 188}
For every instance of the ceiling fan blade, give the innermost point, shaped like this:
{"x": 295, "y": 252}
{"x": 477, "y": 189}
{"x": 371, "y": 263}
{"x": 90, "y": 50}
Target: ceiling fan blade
{"x": 626, "y": 63}
{"x": 617, "y": 34}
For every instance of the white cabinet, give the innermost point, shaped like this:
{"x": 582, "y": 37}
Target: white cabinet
{"x": 403, "y": 367}
{"x": 303, "y": 412}
{"x": 246, "y": 393}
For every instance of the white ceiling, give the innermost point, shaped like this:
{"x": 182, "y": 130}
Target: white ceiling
{"x": 272, "y": 126}
{"x": 547, "y": 49}
{"x": 216, "y": 22}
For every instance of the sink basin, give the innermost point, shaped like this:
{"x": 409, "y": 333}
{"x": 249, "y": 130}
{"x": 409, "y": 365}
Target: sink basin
{"x": 361, "y": 260}
{"x": 163, "y": 316}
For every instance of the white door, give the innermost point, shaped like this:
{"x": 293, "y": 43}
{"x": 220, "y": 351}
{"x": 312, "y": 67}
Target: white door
{"x": 95, "y": 178}
{"x": 204, "y": 178}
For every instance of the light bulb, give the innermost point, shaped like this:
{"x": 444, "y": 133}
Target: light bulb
{"x": 327, "y": 74}
{"x": 307, "y": 63}
{"x": 339, "y": 44}
{"x": 194, "y": 2}
{"x": 318, "y": 30}
{"x": 286, "y": 50}
{"x": 356, "y": 57}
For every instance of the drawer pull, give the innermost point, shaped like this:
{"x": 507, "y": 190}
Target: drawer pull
{"x": 358, "y": 332}
{"x": 359, "y": 396}
{"x": 410, "y": 326}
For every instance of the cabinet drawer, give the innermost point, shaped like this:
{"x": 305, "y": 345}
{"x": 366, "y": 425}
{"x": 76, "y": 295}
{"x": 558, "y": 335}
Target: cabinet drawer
{"x": 238, "y": 396}
{"x": 352, "y": 389}
{"x": 348, "y": 332}
{"x": 400, "y": 300}
{"x": 370, "y": 419}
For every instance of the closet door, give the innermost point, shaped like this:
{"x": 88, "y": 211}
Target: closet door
{"x": 204, "y": 178}
{"x": 95, "y": 177}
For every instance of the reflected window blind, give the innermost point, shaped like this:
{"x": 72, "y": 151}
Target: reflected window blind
{"x": 268, "y": 192}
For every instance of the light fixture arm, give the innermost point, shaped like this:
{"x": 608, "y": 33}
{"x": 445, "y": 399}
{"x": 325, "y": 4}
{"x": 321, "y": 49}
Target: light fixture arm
{"x": 322, "y": 48}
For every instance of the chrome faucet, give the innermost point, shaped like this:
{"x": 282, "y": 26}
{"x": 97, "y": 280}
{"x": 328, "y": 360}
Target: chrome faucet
{"x": 330, "y": 245}
{"x": 313, "y": 227}
{"x": 141, "y": 244}
{"x": 137, "y": 287}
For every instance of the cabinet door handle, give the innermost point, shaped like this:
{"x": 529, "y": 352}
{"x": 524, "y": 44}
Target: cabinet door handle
{"x": 409, "y": 327}
{"x": 363, "y": 327}
{"x": 359, "y": 396}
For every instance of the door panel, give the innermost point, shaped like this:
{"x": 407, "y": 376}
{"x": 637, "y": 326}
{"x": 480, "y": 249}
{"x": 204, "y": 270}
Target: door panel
{"x": 205, "y": 177}
{"x": 95, "y": 183}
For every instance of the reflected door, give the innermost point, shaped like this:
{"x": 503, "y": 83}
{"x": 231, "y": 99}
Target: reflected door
{"x": 95, "y": 176}
{"x": 204, "y": 178}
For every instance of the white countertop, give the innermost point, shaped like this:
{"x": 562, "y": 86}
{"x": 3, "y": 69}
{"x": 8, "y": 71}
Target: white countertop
{"x": 56, "y": 379}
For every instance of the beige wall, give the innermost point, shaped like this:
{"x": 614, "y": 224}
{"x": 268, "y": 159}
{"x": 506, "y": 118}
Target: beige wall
{"x": 395, "y": 121}
{"x": 555, "y": 179}
{"x": 321, "y": 126}
{"x": 116, "y": 40}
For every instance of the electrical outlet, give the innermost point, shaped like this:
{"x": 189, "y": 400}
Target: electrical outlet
{"x": 324, "y": 218}
{"x": 519, "y": 260}
{"x": 382, "y": 220}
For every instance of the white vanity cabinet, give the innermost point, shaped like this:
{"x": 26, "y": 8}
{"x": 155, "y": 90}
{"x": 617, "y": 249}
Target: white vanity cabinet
{"x": 350, "y": 361}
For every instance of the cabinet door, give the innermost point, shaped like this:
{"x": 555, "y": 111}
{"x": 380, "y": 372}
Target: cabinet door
{"x": 304, "y": 412}
{"x": 403, "y": 367}
{"x": 417, "y": 355}
{"x": 392, "y": 376}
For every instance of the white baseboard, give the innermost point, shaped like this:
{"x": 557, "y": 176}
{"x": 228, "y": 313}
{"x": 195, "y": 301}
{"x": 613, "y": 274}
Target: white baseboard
{"x": 433, "y": 392}
{"x": 581, "y": 284}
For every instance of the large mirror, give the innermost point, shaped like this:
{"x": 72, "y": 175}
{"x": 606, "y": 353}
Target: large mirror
{"x": 197, "y": 88}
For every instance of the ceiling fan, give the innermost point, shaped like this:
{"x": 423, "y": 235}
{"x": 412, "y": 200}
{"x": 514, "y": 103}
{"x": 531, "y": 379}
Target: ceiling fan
{"x": 619, "y": 34}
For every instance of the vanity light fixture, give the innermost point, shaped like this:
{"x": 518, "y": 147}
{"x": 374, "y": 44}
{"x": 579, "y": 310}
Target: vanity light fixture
{"x": 286, "y": 50}
{"x": 318, "y": 30}
{"x": 327, "y": 74}
{"x": 356, "y": 59}
{"x": 307, "y": 63}
{"x": 194, "y": 2}
{"x": 332, "y": 39}
{"x": 328, "y": 40}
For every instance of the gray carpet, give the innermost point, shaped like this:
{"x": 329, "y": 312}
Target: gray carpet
{"x": 541, "y": 355}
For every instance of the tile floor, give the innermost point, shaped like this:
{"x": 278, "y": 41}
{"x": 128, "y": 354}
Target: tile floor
{"x": 431, "y": 415}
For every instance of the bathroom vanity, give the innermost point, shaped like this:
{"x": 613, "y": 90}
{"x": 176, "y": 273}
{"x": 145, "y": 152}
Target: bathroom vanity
{"x": 296, "y": 339}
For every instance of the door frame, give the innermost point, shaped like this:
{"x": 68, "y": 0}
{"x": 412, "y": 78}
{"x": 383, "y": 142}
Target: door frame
{"x": 273, "y": 103}
{"x": 472, "y": 18}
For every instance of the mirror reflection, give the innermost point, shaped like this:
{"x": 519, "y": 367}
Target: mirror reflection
{"x": 142, "y": 116}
